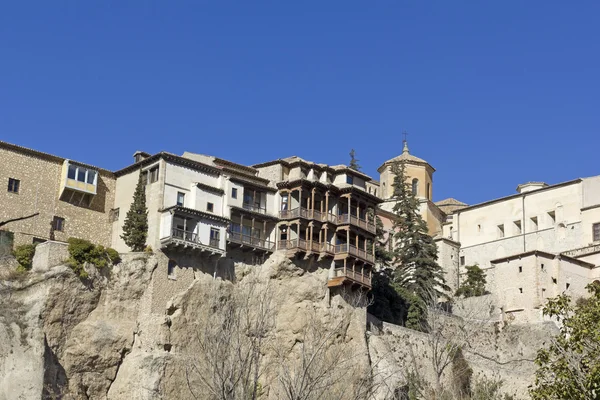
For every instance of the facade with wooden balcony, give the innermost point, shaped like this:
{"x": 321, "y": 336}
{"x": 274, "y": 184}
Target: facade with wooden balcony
{"x": 325, "y": 212}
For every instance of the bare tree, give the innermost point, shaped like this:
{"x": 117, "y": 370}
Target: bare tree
{"x": 231, "y": 341}
{"x": 2, "y": 223}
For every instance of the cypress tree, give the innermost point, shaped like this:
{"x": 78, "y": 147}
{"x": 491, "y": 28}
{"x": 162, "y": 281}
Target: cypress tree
{"x": 417, "y": 276}
{"x": 135, "y": 229}
{"x": 353, "y": 161}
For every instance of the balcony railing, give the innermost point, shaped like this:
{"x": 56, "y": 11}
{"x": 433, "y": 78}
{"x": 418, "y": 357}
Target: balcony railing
{"x": 354, "y": 251}
{"x": 180, "y": 235}
{"x": 251, "y": 241}
{"x": 364, "y": 278}
{"x": 354, "y": 220}
{"x": 251, "y": 207}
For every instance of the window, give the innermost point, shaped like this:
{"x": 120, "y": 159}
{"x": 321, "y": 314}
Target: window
{"x": 429, "y": 191}
{"x": 552, "y": 216}
{"x": 171, "y": 269}
{"x": 72, "y": 173}
{"x": 210, "y": 207}
{"x": 349, "y": 179}
{"x": 596, "y": 232}
{"x": 215, "y": 237}
{"x": 153, "y": 175}
{"x": 520, "y": 290}
{"x": 81, "y": 175}
{"x": 58, "y": 224}
{"x": 517, "y": 227}
{"x": 13, "y": 185}
{"x": 91, "y": 177}
{"x": 568, "y": 285}
{"x": 462, "y": 260}
{"x": 415, "y": 186}
{"x": 234, "y": 193}
{"x": 284, "y": 202}
{"x": 500, "y": 231}
{"x": 543, "y": 268}
{"x": 180, "y": 199}
{"x": 534, "y": 223}
{"x": 520, "y": 269}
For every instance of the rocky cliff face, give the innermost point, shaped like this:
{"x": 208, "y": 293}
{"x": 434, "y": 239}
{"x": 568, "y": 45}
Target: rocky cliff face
{"x": 101, "y": 339}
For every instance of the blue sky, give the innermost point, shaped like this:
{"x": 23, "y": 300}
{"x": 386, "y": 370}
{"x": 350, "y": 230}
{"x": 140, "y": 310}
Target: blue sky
{"x": 492, "y": 94}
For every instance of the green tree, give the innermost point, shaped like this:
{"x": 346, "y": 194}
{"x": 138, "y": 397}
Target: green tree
{"x": 474, "y": 285}
{"x": 135, "y": 229}
{"x": 569, "y": 368}
{"x": 415, "y": 254}
{"x": 353, "y": 161}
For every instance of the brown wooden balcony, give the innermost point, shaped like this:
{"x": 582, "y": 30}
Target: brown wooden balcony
{"x": 343, "y": 219}
{"x": 183, "y": 238}
{"x": 352, "y": 275}
{"x": 247, "y": 240}
{"x": 343, "y": 250}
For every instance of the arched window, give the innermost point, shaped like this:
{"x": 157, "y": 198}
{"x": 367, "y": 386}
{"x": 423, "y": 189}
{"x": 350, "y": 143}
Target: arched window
{"x": 429, "y": 191}
{"x": 415, "y": 186}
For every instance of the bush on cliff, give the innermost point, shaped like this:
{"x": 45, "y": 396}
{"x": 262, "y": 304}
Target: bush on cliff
{"x": 24, "y": 256}
{"x": 83, "y": 251}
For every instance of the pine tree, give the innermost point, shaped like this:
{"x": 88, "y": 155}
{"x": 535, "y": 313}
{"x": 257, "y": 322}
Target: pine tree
{"x": 415, "y": 254}
{"x": 353, "y": 161}
{"x": 135, "y": 229}
{"x": 474, "y": 285}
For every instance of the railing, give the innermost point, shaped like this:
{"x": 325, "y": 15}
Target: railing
{"x": 302, "y": 213}
{"x": 250, "y": 240}
{"x": 257, "y": 209}
{"x": 185, "y": 235}
{"x": 354, "y": 220}
{"x": 192, "y": 237}
{"x": 364, "y": 278}
{"x": 354, "y": 251}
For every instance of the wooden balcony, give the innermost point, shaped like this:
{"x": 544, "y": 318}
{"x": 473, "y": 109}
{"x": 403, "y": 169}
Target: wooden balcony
{"x": 254, "y": 242}
{"x": 345, "y": 219}
{"x": 188, "y": 239}
{"x": 256, "y": 209}
{"x": 342, "y": 251}
{"x": 350, "y": 275}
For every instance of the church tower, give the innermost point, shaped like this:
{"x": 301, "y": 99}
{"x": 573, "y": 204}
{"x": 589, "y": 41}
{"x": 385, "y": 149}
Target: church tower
{"x": 419, "y": 175}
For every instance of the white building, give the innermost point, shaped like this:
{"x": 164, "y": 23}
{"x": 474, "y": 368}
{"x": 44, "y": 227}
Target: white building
{"x": 535, "y": 244}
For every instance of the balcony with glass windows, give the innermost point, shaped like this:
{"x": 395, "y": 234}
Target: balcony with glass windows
{"x": 186, "y": 229}
{"x": 79, "y": 184}
{"x": 248, "y": 237}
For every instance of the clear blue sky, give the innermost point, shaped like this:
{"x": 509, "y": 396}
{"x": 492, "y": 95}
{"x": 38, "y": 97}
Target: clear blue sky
{"x": 492, "y": 94}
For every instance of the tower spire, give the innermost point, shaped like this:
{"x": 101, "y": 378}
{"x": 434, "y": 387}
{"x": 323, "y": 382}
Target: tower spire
{"x": 405, "y": 141}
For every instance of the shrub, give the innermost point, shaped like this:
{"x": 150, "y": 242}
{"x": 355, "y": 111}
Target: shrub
{"x": 83, "y": 251}
{"x": 24, "y": 255}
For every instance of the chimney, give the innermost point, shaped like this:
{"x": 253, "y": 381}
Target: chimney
{"x": 139, "y": 156}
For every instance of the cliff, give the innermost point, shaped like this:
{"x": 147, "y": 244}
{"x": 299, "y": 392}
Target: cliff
{"x": 104, "y": 338}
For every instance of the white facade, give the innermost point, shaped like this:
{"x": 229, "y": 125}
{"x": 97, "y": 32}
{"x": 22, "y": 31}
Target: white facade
{"x": 548, "y": 220}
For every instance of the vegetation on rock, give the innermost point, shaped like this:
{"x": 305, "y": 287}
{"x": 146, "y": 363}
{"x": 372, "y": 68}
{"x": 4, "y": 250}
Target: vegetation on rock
{"x": 569, "y": 368}
{"x": 135, "y": 228}
{"x": 24, "y": 256}
{"x": 83, "y": 251}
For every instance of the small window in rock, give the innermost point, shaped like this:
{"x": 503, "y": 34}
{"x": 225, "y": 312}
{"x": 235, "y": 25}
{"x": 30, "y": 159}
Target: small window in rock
{"x": 171, "y": 269}
{"x": 520, "y": 290}
{"x": 568, "y": 285}
{"x": 58, "y": 224}
{"x": 520, "y": 269}
{"x": 210, "y": 207}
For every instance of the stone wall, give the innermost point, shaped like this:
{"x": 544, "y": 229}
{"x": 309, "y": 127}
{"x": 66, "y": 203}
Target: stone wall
{"x": 39, "y": 191}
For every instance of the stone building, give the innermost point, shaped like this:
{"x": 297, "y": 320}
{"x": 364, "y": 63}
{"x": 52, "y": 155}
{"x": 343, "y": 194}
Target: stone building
{"x": 63, "y": 198}
{"x": 538, "y": 243}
